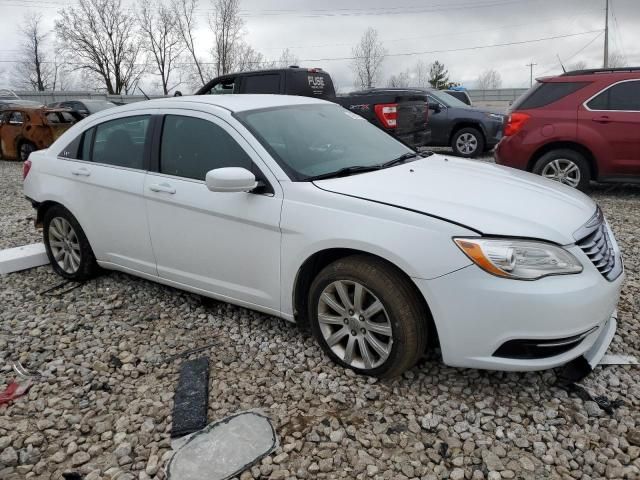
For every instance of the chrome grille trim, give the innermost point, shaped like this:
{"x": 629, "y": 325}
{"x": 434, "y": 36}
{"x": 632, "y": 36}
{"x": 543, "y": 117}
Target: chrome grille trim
{"x": 597, "y": 245}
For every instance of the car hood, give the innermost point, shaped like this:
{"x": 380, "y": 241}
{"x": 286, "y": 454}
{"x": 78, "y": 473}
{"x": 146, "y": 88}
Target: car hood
{"x": 488, "y": 198}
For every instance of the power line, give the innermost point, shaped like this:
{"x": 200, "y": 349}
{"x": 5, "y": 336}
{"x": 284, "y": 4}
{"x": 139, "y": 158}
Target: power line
{"x": 402, "y": 54}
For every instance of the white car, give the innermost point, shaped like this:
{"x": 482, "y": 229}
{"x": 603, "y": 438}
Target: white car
{"x": 300, "y": 209}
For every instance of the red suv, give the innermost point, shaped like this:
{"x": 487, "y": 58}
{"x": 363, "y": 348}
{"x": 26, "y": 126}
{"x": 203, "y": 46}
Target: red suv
{"x": 579, "y": 126}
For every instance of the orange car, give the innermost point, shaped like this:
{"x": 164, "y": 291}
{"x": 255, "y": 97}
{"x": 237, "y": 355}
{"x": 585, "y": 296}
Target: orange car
{"x": 25, "y": 129}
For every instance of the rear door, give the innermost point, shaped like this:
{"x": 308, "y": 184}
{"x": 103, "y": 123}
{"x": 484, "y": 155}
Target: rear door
{"x": 102, "y": 173}
{"x": 12, "y": 125}
{"x": 613, "y": 118}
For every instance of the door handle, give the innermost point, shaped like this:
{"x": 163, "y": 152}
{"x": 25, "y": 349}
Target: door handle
{"x": 602, "y": 119}
{"x": 162, "y": 187}
{"x": 81, "y": 172}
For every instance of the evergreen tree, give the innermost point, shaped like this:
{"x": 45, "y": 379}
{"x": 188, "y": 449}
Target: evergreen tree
{"x": 438, "y": 75}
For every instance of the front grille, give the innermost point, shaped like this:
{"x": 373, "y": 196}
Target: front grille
{"x": 598, "y": 247}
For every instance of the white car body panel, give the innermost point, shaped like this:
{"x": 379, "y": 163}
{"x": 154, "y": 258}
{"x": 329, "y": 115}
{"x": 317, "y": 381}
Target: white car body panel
{"x": 248, "y": 249}
{"x": 505, "y": 201}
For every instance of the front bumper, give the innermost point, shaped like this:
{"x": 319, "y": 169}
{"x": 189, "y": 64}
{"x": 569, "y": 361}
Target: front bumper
{"x": 475, "y": 313}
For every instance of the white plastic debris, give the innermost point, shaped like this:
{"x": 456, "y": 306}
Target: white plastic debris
{"x": 618, "y": 360}
{"x": 22, "y": 258}
{"x": 223, "y": 449}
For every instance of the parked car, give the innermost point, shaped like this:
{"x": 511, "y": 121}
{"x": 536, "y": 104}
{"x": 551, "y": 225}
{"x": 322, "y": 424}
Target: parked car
{"x": 298, "y": 208}
{"x": 26, "y": 129}
{"x": 461, "y": 95}
{"x": 402, "y": 114}
{"x": 468, "y": 131}
{"x": 84, "y": 107}
{"x": 576, "y": 127}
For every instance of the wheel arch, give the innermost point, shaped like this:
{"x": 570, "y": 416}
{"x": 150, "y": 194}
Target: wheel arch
{"x": 41, "y": 210}
{"x": 320, "y": 259}
{"x": 565, "y": 145}
{"x": 460, "y": 124}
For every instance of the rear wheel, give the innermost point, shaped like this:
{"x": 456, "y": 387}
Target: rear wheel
{"x": 67, "y": 246}
{"x": 565, "y": 166}
{"x": 467, "y": 142}
{"x": 367, "y": 316}
{"x": 25, "y": 150}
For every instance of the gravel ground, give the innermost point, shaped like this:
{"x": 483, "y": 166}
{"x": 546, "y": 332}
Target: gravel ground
{"x": 103, "y": 407}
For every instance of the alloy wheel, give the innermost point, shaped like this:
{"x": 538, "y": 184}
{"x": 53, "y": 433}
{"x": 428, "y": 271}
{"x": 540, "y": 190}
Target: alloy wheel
{"x": 354, "y": 324}
{"x": 64, "y": 245}
{"x": 562, "y": 170}
{"x": 467, "y": 143}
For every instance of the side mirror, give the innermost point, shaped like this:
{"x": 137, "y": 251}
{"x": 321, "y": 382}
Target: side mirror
{"x": 231, "y": 179}
{"x": 435, "y": 107}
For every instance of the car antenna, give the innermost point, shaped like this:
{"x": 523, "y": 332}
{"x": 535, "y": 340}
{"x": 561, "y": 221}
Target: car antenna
{"x": 564, "y": 70}
{"x": 145, "y": 95}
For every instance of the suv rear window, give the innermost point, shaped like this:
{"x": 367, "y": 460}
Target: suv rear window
{"x": 545, "y": 93}
{"x": 261, "y": 83}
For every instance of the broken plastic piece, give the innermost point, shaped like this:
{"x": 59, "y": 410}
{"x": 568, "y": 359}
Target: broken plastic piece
{"x": 618, "y": 360}
{"x": 191, "y": 400}
{"x": 13, "y": 391}
{"x": 224, "y": 449}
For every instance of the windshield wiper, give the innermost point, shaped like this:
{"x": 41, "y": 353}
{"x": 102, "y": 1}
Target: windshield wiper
{"x": 401, "y": 159}
{"x": 343, "y": 172}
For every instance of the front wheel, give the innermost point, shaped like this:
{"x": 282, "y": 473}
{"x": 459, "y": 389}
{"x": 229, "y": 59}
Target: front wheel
{"x": 67, "y": 246}
{"x": 367, "y": 316}
{"x": 468, "y": 142}
{"x": 565, "y": 166}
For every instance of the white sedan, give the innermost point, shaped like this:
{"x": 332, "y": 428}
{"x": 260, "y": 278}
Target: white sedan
{"x": 298, "y": 208}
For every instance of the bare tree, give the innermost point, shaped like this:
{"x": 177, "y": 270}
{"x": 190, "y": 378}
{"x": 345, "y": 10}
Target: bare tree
{"x": 246, "y": 58}
{"x": 34, "y": 69}
{"x": 103, "y": 39}
{"x": 226, "y": 26}
{"x": 489, "y": 79}
{"x": 162, "y": 39}
{"x": 184, "y": 12}
{"x": 616, "y": 60}
{"x": 368, "y": 56}
{"x": 287, "y": 59}
{"x": 579, "y": 65}
{"x": 402, "y": 79}
{"x": 421, "y": 75}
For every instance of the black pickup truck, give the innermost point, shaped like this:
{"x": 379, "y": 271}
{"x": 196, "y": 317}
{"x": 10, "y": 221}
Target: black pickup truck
{"x": 402, "y": 114}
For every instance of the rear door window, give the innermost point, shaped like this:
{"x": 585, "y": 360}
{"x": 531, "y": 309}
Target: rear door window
{"x": 16, "y": 118}
{"x": 546, "y": 93}
{"x": 269, "y": 83}
{"x": 190, "y": 147}
{"x": 80, "y": 147}
{"x": 623, "y": 96}
{"x": 121, "y": 142}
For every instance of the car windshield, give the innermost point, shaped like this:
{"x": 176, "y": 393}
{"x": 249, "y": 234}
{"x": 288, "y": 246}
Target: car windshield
{"x": 96, "y": 105}
{"x": 448, "y": 100}
{"x": 313, "y": 140}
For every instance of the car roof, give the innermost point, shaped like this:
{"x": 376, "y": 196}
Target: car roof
{"x": 606, "y": 74}
{"x": 231, "y": 102}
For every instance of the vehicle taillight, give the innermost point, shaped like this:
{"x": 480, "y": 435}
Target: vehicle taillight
{"x": 387, "y": 113}
{"x": 514, "y": 123}
{"x": 26, "y": 166}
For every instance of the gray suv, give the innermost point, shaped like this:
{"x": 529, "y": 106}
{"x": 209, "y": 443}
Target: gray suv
{"x": 467, "y": 130}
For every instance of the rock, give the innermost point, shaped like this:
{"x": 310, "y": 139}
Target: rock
{"x": 79, "y": 458}
{"x": 457, "y": 474}
{"x": 8, "y": 457}
{"x": 492, "y": 461}
{"x": 372, "y": 470}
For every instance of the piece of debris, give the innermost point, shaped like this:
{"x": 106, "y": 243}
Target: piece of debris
{"x": 186, "y": 353}
{"x": 22, "y": 258}
{"x": 14, "y": 390}
{"x": 618, "y": 360}
{"x": 191, "y": 400}
{"x": 224, "y": 449}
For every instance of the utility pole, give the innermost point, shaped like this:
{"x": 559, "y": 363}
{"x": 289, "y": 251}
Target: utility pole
{"x": 606, "y": 36}
{"x": 531, "y": 65}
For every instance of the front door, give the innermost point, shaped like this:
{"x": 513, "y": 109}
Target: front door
{"x": 438, "y": 123}
{"x": 614, "y": 117}
{"x": 226, "y": 244}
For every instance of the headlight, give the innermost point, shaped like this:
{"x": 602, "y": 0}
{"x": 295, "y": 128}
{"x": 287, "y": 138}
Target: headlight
{"x": 495, "y": 116}
{"x": 519, "y": 259}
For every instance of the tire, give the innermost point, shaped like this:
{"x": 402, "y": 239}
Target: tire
{"x": 401, "y": 325}
{"x": 565, "y": 166}
{"x": 25, "y": 150}
{"x": 467, "y": 142}
{"x": 76, "y": 260}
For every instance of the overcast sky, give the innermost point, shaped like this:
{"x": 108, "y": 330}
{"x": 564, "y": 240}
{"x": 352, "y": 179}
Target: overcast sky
{"x": 320, "y": 31}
